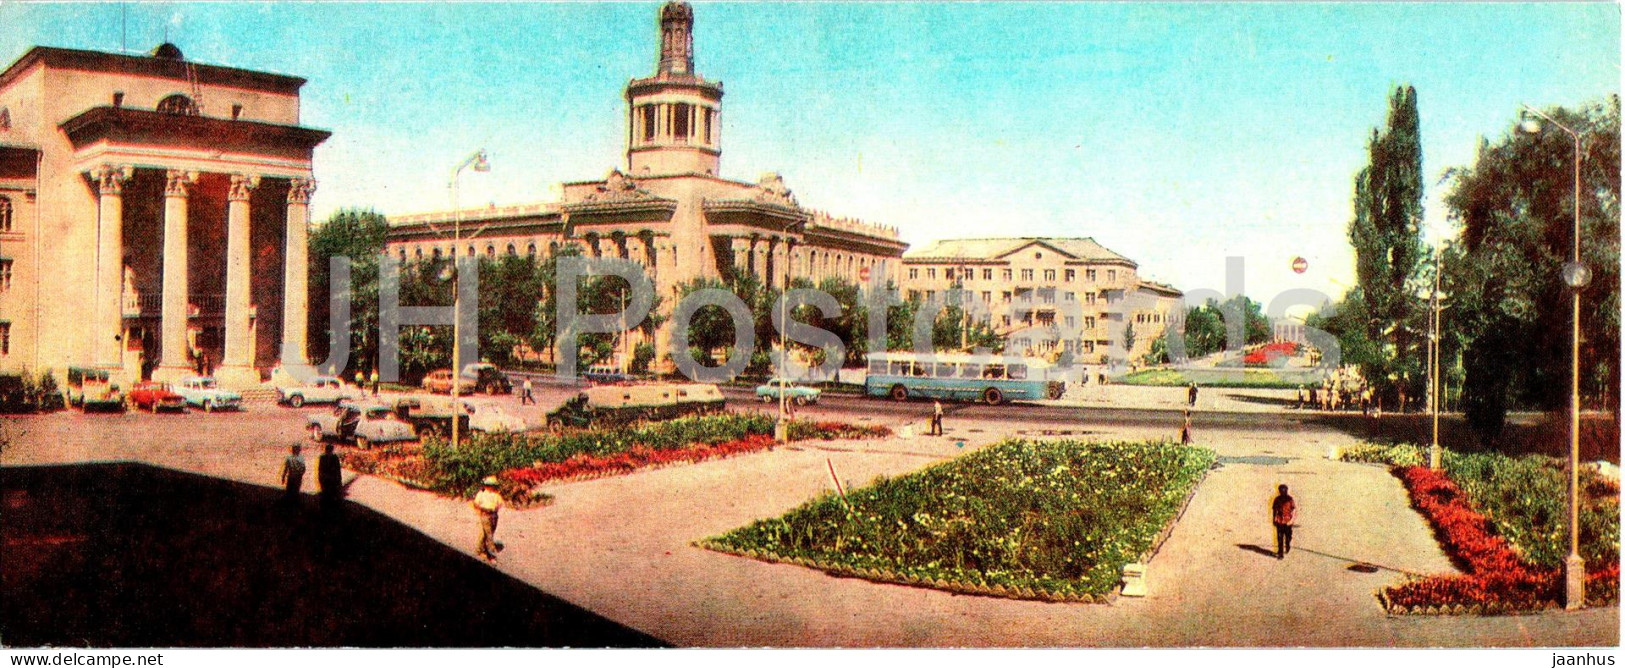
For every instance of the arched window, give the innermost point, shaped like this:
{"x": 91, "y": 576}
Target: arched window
{"x": 531, "y": 251}
{"x": 552, "y": 248}
{"x": 418, "y": 253}
{"x": 471, "y": 252}
{"x": 403, "y": 255}
{"x": 490, "y": 250}
{"x": 5, "y": 214}
{"x": 177, "y": 104}
{"x": 512, "y": 250}
{"x": 437, "y": 253}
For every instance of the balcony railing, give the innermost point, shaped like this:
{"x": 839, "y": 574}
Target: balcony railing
{"x": 145, "y": 305}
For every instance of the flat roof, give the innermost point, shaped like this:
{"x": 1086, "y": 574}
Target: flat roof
{"x": 172, "y": 68}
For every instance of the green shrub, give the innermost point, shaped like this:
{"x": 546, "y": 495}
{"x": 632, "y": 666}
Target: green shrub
{"x": 1392, "y": 454}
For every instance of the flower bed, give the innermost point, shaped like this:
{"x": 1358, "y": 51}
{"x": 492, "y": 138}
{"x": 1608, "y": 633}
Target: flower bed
{"x": 1033, "y": 520}
{"x": 522, "y": 461}
{"x": 1502, "y": 520}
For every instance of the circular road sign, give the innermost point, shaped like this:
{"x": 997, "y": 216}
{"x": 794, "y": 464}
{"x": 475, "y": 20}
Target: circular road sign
{"x": 1300, "y": 265}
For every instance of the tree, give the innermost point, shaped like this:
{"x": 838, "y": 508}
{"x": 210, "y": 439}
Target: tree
{"x": 1206, "y": 326}
{"x": 358, "y": 234}
{"x": 1508, "y": 304}
{"x": 1387, "y": 239}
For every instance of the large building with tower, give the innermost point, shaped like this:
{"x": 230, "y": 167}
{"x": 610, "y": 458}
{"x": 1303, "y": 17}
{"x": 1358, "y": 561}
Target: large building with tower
{"x": 153, "y": 215}
{"x": 668, "y": 206}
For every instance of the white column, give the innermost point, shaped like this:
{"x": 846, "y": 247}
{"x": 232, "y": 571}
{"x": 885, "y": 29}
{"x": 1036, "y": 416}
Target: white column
{"x": 741, "y": 247}
{"x": 109, "y": 326}
{"x": 237, "y": 368}
{"x": 296, "y": 273}
{"x": 173, "y": 362}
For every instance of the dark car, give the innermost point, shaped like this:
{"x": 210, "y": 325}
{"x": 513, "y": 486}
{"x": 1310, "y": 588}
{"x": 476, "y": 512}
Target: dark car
{"x": 487, "y": 378}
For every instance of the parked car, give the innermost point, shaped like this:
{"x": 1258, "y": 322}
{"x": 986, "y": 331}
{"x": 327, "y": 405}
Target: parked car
{"x": 799, "y": 395}
{"x": 491, "y": 418}
{"x": 439, "y": 381}
{"x": 429, "y": 414}
{"x": 488, "y": 378}
{"x": 613, "y": 405}
{"x": 362, "y": 424}
{"x": 90, "y": 389}
{"x": 155, "y": 397}
{"x": 322, "y": 390}
{"x": 205, "y": 393}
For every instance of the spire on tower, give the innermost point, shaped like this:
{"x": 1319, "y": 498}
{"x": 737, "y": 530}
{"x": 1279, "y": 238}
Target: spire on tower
{"x": 676, "y": 39}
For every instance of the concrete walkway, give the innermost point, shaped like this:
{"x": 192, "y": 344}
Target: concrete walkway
{"x": 621, "y": 547}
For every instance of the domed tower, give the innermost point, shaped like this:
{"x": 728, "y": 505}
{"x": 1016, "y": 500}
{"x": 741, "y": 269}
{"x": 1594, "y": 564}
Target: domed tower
{"x": 674, "y": 117}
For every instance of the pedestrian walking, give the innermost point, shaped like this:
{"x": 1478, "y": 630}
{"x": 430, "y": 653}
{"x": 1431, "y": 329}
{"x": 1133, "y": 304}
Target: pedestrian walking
{"x": 1192, "y": 393}
{"x": 525, "y": 396}
{"x": 329, "y": 478}
{"x": 374, "y": 379}
{"x": 293, "y": 475}
{"x": 1185, "y": 432}
{"x": 1282, "y": 512}
{"x": 936, "y": 418}
{"x": 1300, "y": 397}
{"x": 487, "y": 503}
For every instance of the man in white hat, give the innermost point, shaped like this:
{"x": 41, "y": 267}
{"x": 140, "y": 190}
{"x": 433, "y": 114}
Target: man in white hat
{"x": 488, "y": 502}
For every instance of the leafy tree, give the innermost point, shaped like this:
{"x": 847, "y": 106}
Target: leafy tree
{"x": 358, "y": 234}
{"x": 1509, "y": 306}
{"x": 1129, "y": 337}
{"x": 1386, "y": 235}
{"x": 1205, "y": 326}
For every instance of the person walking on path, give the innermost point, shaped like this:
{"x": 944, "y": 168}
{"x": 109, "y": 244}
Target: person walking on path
{"x": 1192, "y": 393}
{"x": 936, "y": 418}
{"x": 1300, "y": 397}
{"x": 1185, "y": 432}
{"x": 525, "y": 396}
{"x": 329, "y": 478}
{"x": 1282, "y": 512}
{"x": 488, "y": 503}
{"x": 293, "y": 475}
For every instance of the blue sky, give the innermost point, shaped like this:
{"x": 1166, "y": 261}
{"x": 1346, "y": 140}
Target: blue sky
{"x": 1174, "y": 134}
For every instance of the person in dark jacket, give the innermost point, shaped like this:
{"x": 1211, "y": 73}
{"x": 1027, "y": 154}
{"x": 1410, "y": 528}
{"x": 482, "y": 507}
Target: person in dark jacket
{"x": 330, "y": 478}
{"x": 1282, "y": 512}
{"x": 1191, "y": 395}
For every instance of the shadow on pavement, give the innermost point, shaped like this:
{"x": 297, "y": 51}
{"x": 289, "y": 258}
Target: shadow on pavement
{"x": 1527, "y": 433}
{"x": 130, "y": 555}
{"x": 1256, "y": 549}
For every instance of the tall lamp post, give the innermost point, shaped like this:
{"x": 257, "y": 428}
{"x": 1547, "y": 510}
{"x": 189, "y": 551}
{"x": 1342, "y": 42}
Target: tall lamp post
{"x": 476, "y": 160}
{"x": 1576, "y": 276}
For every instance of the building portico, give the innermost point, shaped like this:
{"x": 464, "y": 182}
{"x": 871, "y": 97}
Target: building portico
{"x": 178, "y": 227}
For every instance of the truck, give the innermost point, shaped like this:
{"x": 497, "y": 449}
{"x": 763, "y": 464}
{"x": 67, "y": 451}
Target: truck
{"x": 616, "y": 405}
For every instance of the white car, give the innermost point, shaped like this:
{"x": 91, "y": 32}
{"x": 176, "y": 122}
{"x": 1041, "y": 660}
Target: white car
{"x": 324, "y": 390}
{"x": 205, "y": 393}
{"x": 491, "y": 418}
{"x": 363, "y": 424}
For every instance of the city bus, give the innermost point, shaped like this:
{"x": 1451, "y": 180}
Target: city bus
{"x": 988, "y": 378}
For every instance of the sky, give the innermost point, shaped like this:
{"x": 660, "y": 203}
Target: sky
{"x": 1175, "y": 134}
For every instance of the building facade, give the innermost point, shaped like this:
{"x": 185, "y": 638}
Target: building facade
{"x": 668, "y": 208}
{"x": 153, "y": 215}
{"x": 1047, "y": 296}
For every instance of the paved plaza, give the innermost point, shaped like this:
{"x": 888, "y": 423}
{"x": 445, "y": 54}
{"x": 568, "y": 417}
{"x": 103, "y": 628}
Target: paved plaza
{"x": 621, "y": 547}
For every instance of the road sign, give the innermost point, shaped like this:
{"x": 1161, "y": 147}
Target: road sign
{"x": 1300, "y": 265}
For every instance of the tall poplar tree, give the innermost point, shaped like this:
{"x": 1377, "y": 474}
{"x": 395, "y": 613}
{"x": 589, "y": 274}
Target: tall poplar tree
{"x": 1388, "y": 250}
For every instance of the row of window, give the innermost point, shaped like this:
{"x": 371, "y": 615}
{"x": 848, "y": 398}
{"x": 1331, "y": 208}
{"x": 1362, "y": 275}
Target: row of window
{"x": 1045, "y": 296}
{"x": 966, "y": 274}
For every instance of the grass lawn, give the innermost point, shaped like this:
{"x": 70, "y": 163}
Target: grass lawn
{"x": 1053, "y": 520}
{"x": 1236, "y": 378}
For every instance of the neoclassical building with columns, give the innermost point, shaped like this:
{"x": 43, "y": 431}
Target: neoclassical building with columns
{"x": 668, "y": 207}
{"x": 153, "y": 215}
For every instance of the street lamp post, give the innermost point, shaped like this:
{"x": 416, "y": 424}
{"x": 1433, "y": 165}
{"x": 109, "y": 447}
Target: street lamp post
{"x": 1576, "y": 276}
{"x": 781, "y": 428}
{"x": 476, "y": 160}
